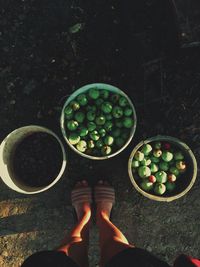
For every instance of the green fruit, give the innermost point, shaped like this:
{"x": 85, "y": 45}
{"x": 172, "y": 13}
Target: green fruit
{"x": 74, "y": 138}
{"x": 128, "y": 122}
{"x": 178, "y": 156}
{"x": 135, "y": 164}
{"x": 119, "y": 141}
{"x": 94, "y": 93}
{"x": 119, "y": 123}
{"x": 82, "y": 99}
{"x": 161, "y": 177}
{"x": 74, "y": 105}
{"x": 171, "y": 178}
{"x": 99, "y": 102}
{"x": 91, "y": 126}
{"x": 144, "y": 171}
{"x": 83, "y": 131}
{"x": 91, "y": 108}
{"x": 108, "y": 117}
{"x": 125, "y": 135}
{"x": 99, "y": 143}
{"x": 91, "y": 115}
{"x": 158, "y": 145}
{"x": 106, "y": 150}
{"x": 90, "y": 144}
{"x": 108, "y": 126}
{"x": 139, "y": 155}
{"x": 100, "y": 120}
{"x": 157, "y": 153}
{"x": 154, "y": 159}
{"x": 167, "y": 156}
{"x": 117, "y": 112}
{"x": 153, "y": 167}
{"x": 79, "y": 116}
{"x": 116, "y": 132}
{"x": 146, "y": 162}
{"x": 104, "y": 94}
{"x": 94, "y": 135}
{"x": 180, "y": 165}
{"x": 72, "y": 125}
{"x": 160, "y": 189}
{"x": 102, "y": 132}
{"x": 108, "y": 140}
{"x": 164, "y": 166}
{"x": 123, "y": 101}
{"x": 114, "y": 98}
{"x": 81, "y": 146}
{"x": 106, "y": 107}
{"x": 174, "y": 171}
{"x": 170, "y": 186}
{"x": 146, "y": 185}
{"x": 69, "y": 116}
{"x": 68, "y": 110}
{"x": 128, "y": 112}
{"x": 146, "y": 149}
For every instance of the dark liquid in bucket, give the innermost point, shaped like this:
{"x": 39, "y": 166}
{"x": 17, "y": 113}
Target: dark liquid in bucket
{"x": 37, "y": 160}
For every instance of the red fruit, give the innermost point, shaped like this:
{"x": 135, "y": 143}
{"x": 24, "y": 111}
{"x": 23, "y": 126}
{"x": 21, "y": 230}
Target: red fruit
{"x": 152, "y": 179}
{"x": 171, "y": 178}
{"x": 167, "y": 146}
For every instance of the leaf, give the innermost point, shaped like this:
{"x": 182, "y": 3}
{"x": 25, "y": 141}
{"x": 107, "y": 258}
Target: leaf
{"x": 76, "y": 27}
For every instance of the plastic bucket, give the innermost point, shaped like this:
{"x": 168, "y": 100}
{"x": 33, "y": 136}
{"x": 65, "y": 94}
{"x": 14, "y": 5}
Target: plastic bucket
{"x": 100, "y": 86}
{"x": 190, "y": 158}
{"x": 7, "y": 149}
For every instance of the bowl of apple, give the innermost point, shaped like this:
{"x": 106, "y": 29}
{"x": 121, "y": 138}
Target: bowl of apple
{"x": 98, "y": 121}
{"x": 162, "y": 168}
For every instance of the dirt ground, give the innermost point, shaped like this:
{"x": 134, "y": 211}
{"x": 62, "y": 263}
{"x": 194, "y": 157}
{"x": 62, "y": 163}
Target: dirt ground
{"x": 49, "y": 49}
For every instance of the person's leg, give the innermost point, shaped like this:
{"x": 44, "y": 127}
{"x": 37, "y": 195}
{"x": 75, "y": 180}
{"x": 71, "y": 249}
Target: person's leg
{"x": 112, "y": 241}
{"x": 76, "y": 243}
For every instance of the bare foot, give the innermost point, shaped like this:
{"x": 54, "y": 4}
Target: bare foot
{"x": 104, "y": 197}
{"x": 81, "y": 199}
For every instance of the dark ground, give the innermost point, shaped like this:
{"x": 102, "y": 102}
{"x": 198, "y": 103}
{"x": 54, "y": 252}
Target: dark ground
{"x": 49, "y": 49}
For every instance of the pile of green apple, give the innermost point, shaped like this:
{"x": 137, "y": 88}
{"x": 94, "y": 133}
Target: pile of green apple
{"x": 98, "y": 122}
{"x": 159, "y": 165}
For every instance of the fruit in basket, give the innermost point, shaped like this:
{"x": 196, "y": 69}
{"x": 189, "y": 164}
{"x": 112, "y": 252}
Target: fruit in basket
{"x": 81, "y": 146}
{"x": 146, "y": 185}
{"x": 180, "y": 165}
{"x": 139, "y": 155}
{"x": 101, "y": 119}
{"x": 157, "y": 153}
{"x": 171, "y": 178}
{"x": 170, "y": 186}
{"x": 82, "y": 99}
{"x": 72, "y": 125}
{"x": 161, "y": 177}
{"x": 74, "y": 138}
{"x": 94, "y": 93}
{"x": 164, "y": 166}
{"x": 178, "y": 156}
{"x": 167, "y": 156}
{"x": 159, "y": 189}
{"x": 106, "y": 107}
{"x": 146, "y": 149}
{"x": 152, "y": 179}
{"x": 144, "y": 171}
{"x": 161, "y": 163}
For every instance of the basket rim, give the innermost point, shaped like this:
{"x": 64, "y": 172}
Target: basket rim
{"x": 175, "y": 141}
{"x": 100, "y": 86}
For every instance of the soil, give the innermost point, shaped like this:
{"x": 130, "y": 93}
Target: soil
{"x": 51, "y": 48}
{"x": 37, "y": 160}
